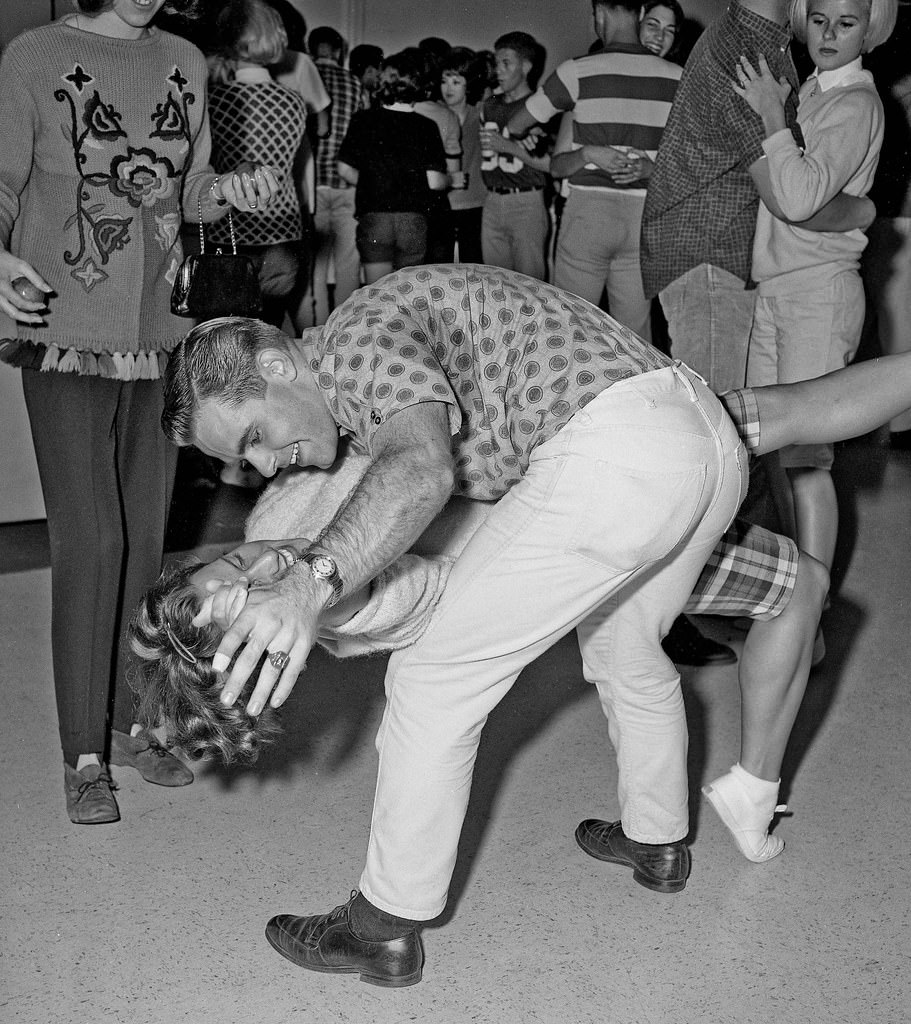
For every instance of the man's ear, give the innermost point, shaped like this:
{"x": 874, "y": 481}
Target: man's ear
{"x": 275, "y": 364}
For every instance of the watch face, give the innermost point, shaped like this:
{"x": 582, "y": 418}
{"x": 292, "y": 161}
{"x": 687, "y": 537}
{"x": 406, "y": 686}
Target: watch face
{"x": 323, "y": 566}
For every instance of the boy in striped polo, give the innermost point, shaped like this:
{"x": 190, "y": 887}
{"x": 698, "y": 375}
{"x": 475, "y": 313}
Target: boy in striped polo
{"x": 620, "y": 98}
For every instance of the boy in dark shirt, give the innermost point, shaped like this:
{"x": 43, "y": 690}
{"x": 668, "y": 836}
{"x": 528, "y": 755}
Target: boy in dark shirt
{"x": 515, "y": 222}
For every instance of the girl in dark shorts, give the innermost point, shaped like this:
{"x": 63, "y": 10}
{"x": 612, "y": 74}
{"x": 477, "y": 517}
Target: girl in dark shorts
{"x": 395, "y": 159}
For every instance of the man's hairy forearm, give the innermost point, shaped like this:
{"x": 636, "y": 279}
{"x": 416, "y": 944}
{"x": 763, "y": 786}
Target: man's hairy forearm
{"x": 391, "y": 506}
{"x": 402, "y": 491}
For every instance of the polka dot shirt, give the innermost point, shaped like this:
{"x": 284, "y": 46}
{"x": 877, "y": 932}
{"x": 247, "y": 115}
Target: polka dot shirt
{"x": 512, "y": 358}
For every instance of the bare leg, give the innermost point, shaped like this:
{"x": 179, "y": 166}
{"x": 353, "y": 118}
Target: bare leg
{"x": 815, "y": 512}
{"x": 774, "y": 669}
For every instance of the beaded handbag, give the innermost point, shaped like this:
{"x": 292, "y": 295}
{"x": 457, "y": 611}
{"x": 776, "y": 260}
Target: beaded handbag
{"x": 211, "y": 284}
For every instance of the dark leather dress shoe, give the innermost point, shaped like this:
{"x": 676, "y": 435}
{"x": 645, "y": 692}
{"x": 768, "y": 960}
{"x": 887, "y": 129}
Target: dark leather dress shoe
{"x": 154, "y": 762}
{"x": 326, "y": 943}
{"x": 663, "y": 868}
{"x": 685, "y": 645}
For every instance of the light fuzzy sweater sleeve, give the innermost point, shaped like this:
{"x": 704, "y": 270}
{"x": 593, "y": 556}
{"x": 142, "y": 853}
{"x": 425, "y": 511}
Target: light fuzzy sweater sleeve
{"x": 301, "y": 503}
{"x": 847, "y": 134}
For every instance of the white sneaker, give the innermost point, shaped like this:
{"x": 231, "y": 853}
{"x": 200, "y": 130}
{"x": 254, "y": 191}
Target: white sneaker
{"x": 746, "y": 820}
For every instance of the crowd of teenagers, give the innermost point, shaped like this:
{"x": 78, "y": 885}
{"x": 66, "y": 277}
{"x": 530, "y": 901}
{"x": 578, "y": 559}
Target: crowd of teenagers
{"x": 475, "y": 443}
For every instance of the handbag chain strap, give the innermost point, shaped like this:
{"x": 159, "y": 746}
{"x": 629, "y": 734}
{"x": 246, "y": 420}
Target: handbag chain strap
{"x": 202, "y": 233}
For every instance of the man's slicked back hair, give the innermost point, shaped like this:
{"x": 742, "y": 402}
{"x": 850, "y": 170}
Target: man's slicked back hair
{"x": 217, "y": 359}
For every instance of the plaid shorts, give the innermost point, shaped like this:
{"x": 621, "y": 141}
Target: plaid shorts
{"x": 751, "y": 572}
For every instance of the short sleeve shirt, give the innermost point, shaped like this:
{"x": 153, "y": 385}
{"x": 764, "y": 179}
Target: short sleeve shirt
{"x": 392, "y": 150}
{"x": 620, "y": 96}
{"x": 512, "y": 358}
{"x": 701, "y": 202}
{"x": 504, "y": 170}
{"x": 345, "y": 92}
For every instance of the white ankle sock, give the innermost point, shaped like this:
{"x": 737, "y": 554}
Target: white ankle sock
{"x": 746, "y": 805}
{"x": 760, "y": 790}
{"x": 84, "y": 760}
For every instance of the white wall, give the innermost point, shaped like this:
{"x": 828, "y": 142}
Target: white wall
{"x": 563, "y": 26}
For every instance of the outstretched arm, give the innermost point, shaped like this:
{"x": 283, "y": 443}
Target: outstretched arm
{"x": 839, "y": 405}
{"x": 408, "y": 482}
{"x": 521, "y": 121}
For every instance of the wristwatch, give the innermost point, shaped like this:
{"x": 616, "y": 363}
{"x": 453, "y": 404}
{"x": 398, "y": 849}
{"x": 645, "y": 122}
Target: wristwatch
{"x": 324, "y": 568}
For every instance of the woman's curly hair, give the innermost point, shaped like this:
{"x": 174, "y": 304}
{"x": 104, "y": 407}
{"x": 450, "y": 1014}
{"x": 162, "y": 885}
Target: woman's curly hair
{"x": 408, "y": 85}
{"x": 181, "y": 693}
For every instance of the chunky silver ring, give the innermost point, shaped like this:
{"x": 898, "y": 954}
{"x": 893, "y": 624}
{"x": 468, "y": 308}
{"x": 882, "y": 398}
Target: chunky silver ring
{"x": 278, "y": 660}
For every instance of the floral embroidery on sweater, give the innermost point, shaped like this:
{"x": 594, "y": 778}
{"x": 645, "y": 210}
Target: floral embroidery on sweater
{"x": 141, "y": 176}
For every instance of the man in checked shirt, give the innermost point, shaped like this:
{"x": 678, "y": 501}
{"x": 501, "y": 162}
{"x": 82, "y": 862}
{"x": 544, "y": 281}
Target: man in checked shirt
{"x": 700, "y": 209}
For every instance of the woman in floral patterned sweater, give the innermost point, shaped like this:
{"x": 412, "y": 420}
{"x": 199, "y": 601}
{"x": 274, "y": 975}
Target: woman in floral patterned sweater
{"x": 106, "y": 149}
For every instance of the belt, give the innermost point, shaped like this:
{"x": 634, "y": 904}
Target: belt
{"x": 511, "y": 191}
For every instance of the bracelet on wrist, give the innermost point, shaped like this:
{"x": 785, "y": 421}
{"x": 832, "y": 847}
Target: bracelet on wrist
{"x": 218, "y": 200}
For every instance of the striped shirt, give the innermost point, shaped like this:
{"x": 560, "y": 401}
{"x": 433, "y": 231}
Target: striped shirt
{"x": 620, "y": 97}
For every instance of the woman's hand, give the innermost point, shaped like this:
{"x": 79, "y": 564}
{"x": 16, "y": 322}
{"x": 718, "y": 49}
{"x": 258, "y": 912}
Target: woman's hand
{"x": 24, "y": 301}
{"x": 247, "y": 187}
{"x": 639, "y": 165}
{"x": 224, "y": 603}
{"x": 608, "y": 158}
{"x": 762, "y": 92}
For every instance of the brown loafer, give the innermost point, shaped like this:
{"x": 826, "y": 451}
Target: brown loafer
{"x": 326, "y": 943}
{"x": 89, "y": 795}
{"x": 662, "y": 867}
{"x": 154, "y": 762}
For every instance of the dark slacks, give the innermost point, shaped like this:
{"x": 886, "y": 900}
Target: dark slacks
{"x": 107, "y": 473}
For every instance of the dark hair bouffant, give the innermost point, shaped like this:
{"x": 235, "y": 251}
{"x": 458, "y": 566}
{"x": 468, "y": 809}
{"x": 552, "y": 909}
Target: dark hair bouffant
{"x": 176, "y": 685}
{"x": 469, "y": 65}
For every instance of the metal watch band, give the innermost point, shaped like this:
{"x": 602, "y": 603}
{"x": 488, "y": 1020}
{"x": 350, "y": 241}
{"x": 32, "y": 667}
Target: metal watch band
{"x": 333, "y": 579}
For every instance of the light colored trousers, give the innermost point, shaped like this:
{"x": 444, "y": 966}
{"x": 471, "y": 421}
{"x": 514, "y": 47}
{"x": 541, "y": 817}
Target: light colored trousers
{"x": 598, "y": 248}
{"x": 709, "y": 318}
{"x": 606, "y": 533}
{"x": 804, "y": 334}
{"x": 334, "y": 230}
{"x": 514, "y": 231}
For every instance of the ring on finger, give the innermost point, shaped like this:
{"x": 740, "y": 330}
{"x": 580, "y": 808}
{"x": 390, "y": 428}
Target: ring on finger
{"x": 279, "y": 659}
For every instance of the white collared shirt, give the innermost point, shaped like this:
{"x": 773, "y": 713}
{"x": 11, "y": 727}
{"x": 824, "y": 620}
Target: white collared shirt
{"x": 852, "y": 73}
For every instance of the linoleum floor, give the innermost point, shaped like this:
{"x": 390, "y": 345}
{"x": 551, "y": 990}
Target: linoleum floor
{"x": 159, "y": 919}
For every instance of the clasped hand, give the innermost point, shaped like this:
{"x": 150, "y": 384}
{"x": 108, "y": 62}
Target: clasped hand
{"x": 247, "y": 187}
{"x": 281, "y": 617}
{"x": 758, "y": 86}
